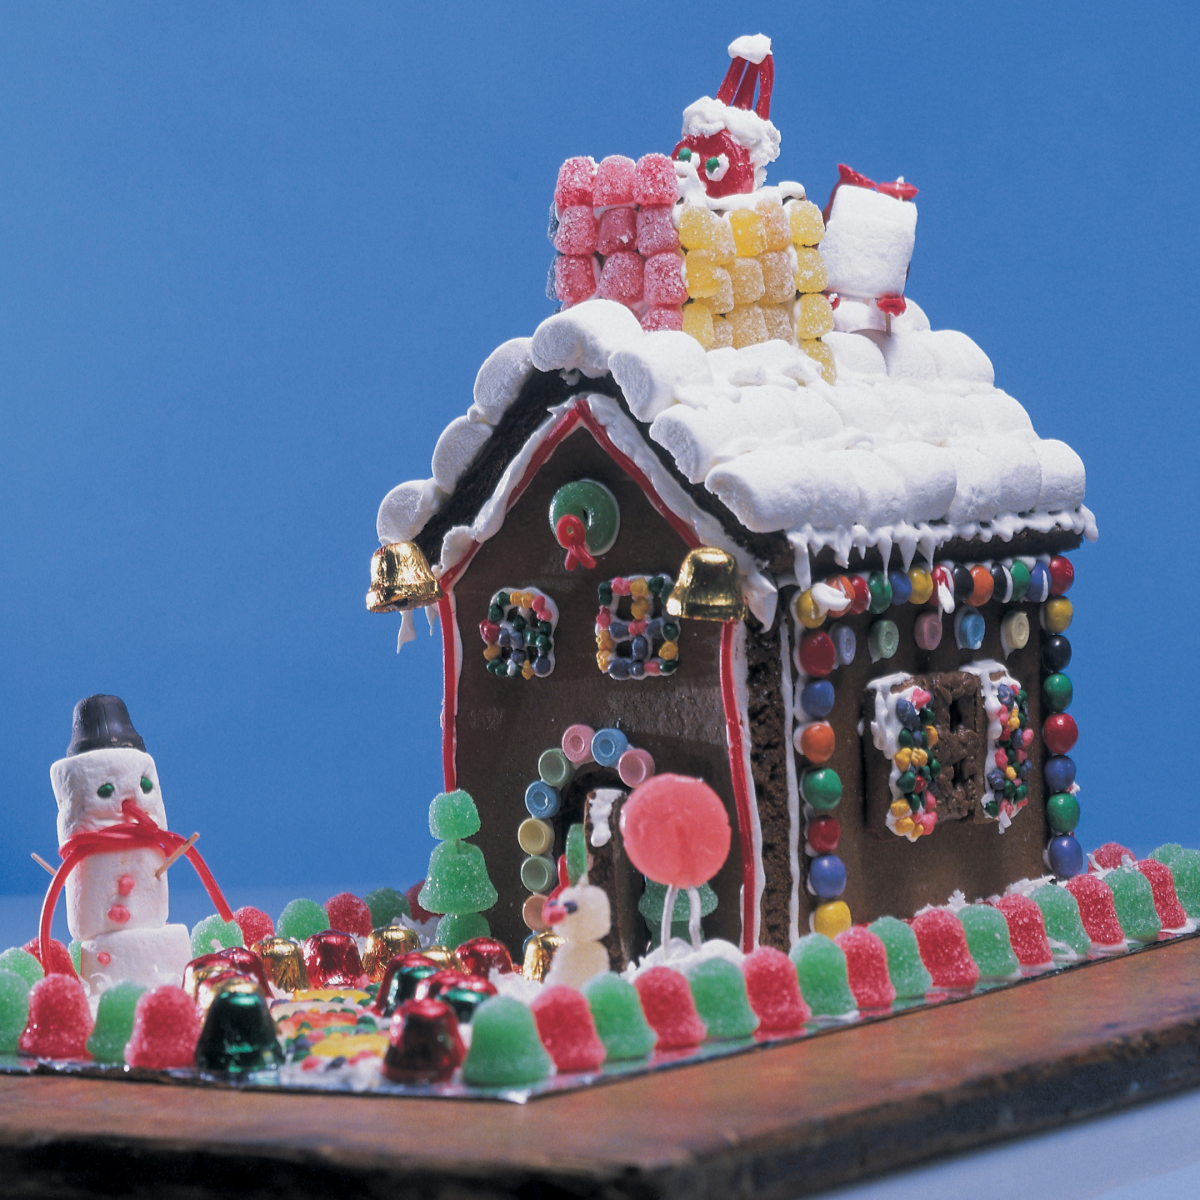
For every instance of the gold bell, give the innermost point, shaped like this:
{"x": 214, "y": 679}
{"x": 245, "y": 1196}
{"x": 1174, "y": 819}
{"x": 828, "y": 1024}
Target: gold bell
{"x": 384, "y": 944}
{"x": 539, "y": 954}
{"x": 708, "y": 587}
{"x": 401, "y": 579}
{"x": 442, "y": 956}
{"x": 195, "y": 974}
{"x": 283, "y": 961}
{"x": 211, "y": 987}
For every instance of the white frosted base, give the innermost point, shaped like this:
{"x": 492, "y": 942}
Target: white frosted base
{"x": 150, "y": 957}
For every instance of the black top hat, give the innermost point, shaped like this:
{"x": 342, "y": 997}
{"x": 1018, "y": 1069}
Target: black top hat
{"x": 102, "y": 723}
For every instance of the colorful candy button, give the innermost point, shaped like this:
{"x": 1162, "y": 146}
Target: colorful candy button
{"x": 845, "y": 643}
{"x": 964, "y": 581}
{"x": 535, "y": 836}
{"x": 983, "y": 587}
{"x": 902, "y": 587}
{"x": 1062, "y": 812}
{"x": 1056, "y": 615}
{"x": 816, "y": 698}
{"x": 807, "y": 611}
{"x": 531, "y": 913}
{"x": 1056, "y": 653}
{"x": 1062, "y": 575}
{"x": 884, "y": 640}
{"x": 538, "y": 873}
{"x": 968, "y": 629}
{"x": 1039, "y": 583}
{"x": 577, "y": 743}
{"x": 1060, "y": 733}
{"x": 927, "y": 630}
{"x": 542, "y": 800}
{"x": 1020, "y": 579}
{"x": 1059, "y": 773}
{"x": 1057, "y": 691}
{"x": 827, "y": 876}
{"x": 921, "y": 582}
{"x": 816, "y": 741}
{"x": 635, "y": 767}
{"x": 608, "y": 745}
{"x": 1066, "y": 856}
{"x": 1014, "y": 631}
{"x": 822, "y": 788}
{"x": 879, "y": 588}
{"x": 832, "y": 918}
{"x": 862, "y": 594}
{"x": 816, "y": 654}
{"x": 555, "y": 768}
{"x": 1002, "y": 583}
{"x": 823, "y": 834}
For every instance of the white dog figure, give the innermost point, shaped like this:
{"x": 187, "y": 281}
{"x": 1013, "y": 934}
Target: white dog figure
{"x": 581, "y": 916}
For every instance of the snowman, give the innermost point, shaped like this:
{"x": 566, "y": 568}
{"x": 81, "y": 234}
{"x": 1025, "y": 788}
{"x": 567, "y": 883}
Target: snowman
{"x": 112, "y": 835}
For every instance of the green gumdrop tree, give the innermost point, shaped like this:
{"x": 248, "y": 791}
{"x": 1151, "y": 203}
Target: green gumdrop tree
{"x": 457, "y": 884}
{"x": 651, "y": 907}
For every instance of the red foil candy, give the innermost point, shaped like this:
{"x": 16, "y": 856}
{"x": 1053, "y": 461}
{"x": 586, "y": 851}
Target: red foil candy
{"x": 425, "y": 1044}
{"x": 332, "y": 960}
{"x": 482, "y": 955}
{"x": 243, "y": 961}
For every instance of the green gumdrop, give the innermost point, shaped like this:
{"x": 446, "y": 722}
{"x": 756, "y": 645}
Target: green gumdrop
{"x": 114, "y": 1022}
{"x": 453, "y": 815}
{"x": 213, "y": 934}
{"x": 21, "y": 962}
{"x": 300, "y": 919}
{"x": 14, "y": 1009}
{"x": 75, "y": 950}
{"x": 505, "y": 1048}
{"x": 456, "y": 928}
{"x": 910, "y": 977}
{"x": 1060, "y": 912}
{"x": 719, "y": 992}
{"x": 1134, "y": 899}
{"x": 457, "y": 881}
{"x": 576, "y": 854}
{"x": 1185, "y": 867}
{"x": 620, "y": 1022}
{"x": 654, "y": 897}
{"x": 821, "y": 970}
{"x": 988, "y": 940}
{"x": 387, "y": 905}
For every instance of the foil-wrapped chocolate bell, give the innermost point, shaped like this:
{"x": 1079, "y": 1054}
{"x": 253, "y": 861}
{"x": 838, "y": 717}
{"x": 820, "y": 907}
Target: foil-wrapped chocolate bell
{"x": 708, "y": 587}
{"x": 539, "y": 954}
{"x": 386, "y": 943}
{"x": 283, "y": 960}
{"x": 401, "y": 579}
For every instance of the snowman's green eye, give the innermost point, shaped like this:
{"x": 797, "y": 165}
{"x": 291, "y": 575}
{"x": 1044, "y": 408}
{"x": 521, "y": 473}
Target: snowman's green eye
{"x": 105, "y": 790}
{"x": 147, "y": 786}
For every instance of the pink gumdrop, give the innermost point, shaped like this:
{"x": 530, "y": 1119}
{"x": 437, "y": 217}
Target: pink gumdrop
{"x": 614, "y": 181}
{"x": 574, "y": 186}
{"x": 621, "y": 277}
{"x": 574, "y": 278}
{"x": 1166, "y": 902}
{"x": 866, "y": 967}
{"x": 60, "y": 1021}
{"x": 1026, "y": 930}
{"x": 942, "y": 942}
{"x": 254, "y": 924}
{"x": 656, "y": 232}
{"x": 927, "y": 630}
{"x": 165, "y": 1030}
{"x": 669, "y": 1008}
{"x": 1110, "y": 856}
{"x": 348, "y": 914}
{"x": 565, "y": 1025}
{"x": 654, "y": 180}
{"x": 774, "y": 991}
{"x": 577, "y": 231}
{"x": 635, "y": 767}
{"x": 618, "y": 231}
{"x": 1097, "y": 910}
{"x": 663, "y": 279}
{"x": 654, "y": 319}
{"x": 676, "y": 830}
{"x": 577, "y": 743}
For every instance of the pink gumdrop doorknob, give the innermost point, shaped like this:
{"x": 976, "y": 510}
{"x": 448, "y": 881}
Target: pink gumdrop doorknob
{"x": 676, "y": 830}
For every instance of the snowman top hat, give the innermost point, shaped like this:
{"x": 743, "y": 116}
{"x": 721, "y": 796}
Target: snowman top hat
{"x": 102, "y": 723}
{"x": 752, "y": 63}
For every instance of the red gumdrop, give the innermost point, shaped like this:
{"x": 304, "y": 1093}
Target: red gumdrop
{"x": 331, "y": 959}
{"x": 565, "y": 1025}
{"x": 1166, "y": 903}
{"x": 60, "y": 956}
{"x": 577, "y": 231}
{"x": 817, "y": 653}
{"x": 424, "y": 1043}
{"x": 614, "y": 181}
{"x": 654, "y": 319}
{"x": 60, "y": 1021}
{"x": 574, "y": 278}
{"x": 483, "y": 955}
{"x": 866, "y": 967}
{"x": 254, "y": 924}
{"x": 669, "y": 1008}
{"x": 166, "y": 1028}
{"x": 621, "y": 277}
{"x": 774, "y": 991}
{"x": 418, "y": 914}
{"x": 1097, "y": 909}
{"x": 942, "y": 942}
{"x": 574, "y": 186}
{"x": 1110, "y": 856}
{"x": 349, "y": 914}
{"x": 663, "y": 280}
{"x": 654, "y": 180}
{"x": 656, "y": 232}
{"x": 676, "y": 830}
{"x": 1059, "y": 733}
{"x": 823, "y": 834}
{"x": 1026, "y": 930}
{"x": 617, "y": 231}
{"x": 1062, "y": 575}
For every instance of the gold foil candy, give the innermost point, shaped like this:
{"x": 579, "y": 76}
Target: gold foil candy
{"x": 212, "y": 986}
{"x": 283, "y": 960}
{"x": 401, "y": 579}
{"x": 384, "y": 944}
{"x": 539, "y": 954}
{"x": 440, "y": 955}
{"x": 708, "y": 587}
{"x": 194, "y": 974}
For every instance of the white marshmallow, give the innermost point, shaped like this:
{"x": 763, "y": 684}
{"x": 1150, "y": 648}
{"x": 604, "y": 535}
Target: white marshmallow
{"x": 868, "y": 242}
{"x": 406, "y": 510}
{"x": 585, "y": 337}
{"x": 150, "y": 957}
{"x": 500, "y": 380}
{"x": 650, "y": 371}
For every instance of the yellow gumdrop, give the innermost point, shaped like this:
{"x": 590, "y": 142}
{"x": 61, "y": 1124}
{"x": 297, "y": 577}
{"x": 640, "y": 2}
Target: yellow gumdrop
{"x": 748, "y": 235}
{"x": 527, "y": 599}
{"x": 807, "y": 612}
{"x": 901, "y": 809}
{"x": 807, "y": 226}
{"x": 698, "y": 323}
{"x": 817, "y": 350}
{"x": 1014, "y": 721}
{"x": 831, "y": 918}
{"x": 749, "y": 327}
{"x": 814, "y": 317}
{"x": 604, "y": 640}
{"x": 906, "y": 824}
{"x": 638, "y": 587}
{"x": 668, "y": 651}
{"x": 747, "y": 277}
{"x": 779, "y": 322}
{"x": 919, "y": 757}
{"x": 922, "y": 585}
{"x": 1056, "y": 614}
{"x": 722, "y": 333}
{"x": 811, "y": 275}
{"x": 705, "y": 276}
{"x": 491, "y": 652}
{"x": 779, "y": 282}
{"x": 702, "y": 229}
{"x": 777, "y": 229}
{"x": 903, "y": 758}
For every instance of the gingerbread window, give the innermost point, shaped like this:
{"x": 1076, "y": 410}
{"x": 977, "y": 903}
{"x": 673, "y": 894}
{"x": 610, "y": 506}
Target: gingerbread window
{"x": 518, "y": 633}
{"x": 635, "y": 638}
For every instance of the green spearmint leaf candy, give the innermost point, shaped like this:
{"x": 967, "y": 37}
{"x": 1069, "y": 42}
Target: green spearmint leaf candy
{"x": 988, "y": 940}
{"x": 453, "y": 815}
{"x": 1134, "y": 899}
{"x": 620, "y": 1022}
{"x": 22, "y": 963}
{"x": 300, "y": 919}
{"x": 14, "y": 1009}
{"x": 456, "y": 928}
{"x": 387, "y": 906}
{"x": 213, "y": 934}
{"x": 114, "y": 1022}
{"x": 910, "y": 977}
{"x": 457, "y": 881}
{"x": 719, "y": 991}
{"x": 821, "y": 970}
{"x": 576, "y": 854}
{"x": 1185, "y": 867}
{"x": 505, "y": 1048}
{"x": 1060, "y": 912}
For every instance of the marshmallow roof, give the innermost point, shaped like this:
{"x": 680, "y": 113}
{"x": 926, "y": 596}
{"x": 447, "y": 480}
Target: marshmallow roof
{"x": 913, "y": 446}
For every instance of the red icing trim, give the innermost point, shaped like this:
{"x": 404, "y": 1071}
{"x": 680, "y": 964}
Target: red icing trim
{"x": 893, "y": 305}
{"x": 834, "y": 300}
{"x": 897, "y": 189}
{"x": 741, "y": 785}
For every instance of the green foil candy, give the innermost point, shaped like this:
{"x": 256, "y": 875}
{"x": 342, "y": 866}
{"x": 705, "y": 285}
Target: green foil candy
{"x": 114, "y": 1022}
{"x": 14, "y": 1010}
{"x": 988, "y": 941}
{"x": 505, "y": 1048}
{"x": 1185, "y": 867}
{"x": 909, "y": 975}
{"x": 238, "y": 1035}
{"x": 821, "y": 970}
{"x": 1060, "y": 912}
{"x": 1134, "y": 899}
{"x": 719, "y": 992}
{"x": 620, "y": 1022}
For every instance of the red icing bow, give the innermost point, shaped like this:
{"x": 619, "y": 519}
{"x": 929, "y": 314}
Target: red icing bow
{"x": 572, "y": 536}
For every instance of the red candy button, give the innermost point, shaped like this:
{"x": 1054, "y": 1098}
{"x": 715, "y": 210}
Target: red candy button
{"x": 1062, "y": 575}
{"x": 862, "y": 594}
{"x": 817, "y": 655}
{"x": 1059, "y": 733}
{"x": 823, "y": 834}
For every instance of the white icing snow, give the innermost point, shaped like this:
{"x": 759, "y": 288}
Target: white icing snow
{"x": 759, "y": 138}
{"x": 741, "y": 691}
{"x": 600, "y": 806}
{"x": 753, "y": 47}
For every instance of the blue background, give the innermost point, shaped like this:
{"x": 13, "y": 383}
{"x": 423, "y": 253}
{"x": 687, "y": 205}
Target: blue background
{"x": 251, "y": 259}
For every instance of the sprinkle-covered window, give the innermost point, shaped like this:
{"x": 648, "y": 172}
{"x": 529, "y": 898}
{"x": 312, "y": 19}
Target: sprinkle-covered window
{"x": 634, "y": 636}
{"x": 518, "y": 633}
